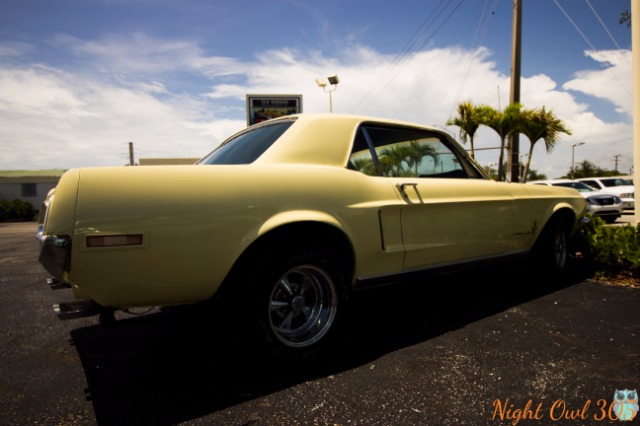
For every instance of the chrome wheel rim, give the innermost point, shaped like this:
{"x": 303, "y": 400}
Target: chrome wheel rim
{"x": 560, "y": 248}
{"x": 302, "y": 306}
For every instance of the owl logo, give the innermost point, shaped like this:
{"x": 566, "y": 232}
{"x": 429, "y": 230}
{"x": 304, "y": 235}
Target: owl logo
{"x": 625, "y": 404}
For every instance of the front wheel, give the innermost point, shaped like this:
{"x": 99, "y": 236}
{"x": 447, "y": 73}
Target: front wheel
{"x": 551, "y": 251}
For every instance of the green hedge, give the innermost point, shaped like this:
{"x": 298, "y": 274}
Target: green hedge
{"x": 610, "y": 250}
{"x": 16, "y": 210}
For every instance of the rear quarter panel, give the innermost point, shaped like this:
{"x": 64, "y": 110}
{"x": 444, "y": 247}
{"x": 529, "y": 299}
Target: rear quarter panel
{"x": 197, "y": 220}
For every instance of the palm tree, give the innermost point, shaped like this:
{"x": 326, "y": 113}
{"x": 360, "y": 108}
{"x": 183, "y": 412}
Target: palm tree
{"x": 414, "y": 157}
{"x": 365, "y": 165}
{"x": 504, "y": 124}
{"x": 469, "y": 120}
{"x": 625, "y": 18}
{"x": 397, "y": 154}
{"x": 416, "y": 154}
{"x": 541, "y": 124}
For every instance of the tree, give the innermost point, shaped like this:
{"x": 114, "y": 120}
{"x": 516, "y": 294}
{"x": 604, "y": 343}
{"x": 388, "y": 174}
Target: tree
{"x": 535, "y": 124}
{"x": 588, "y": 169}
{"x": 397, "y": 155}
{"x": 417, "y": 152}
{"x": 469, "y": 120}
{"x": 534, "y": 175}
{"x": 504, "y": 124}
{"x": 625, "y": 18}
{"x": 541, "y": 124}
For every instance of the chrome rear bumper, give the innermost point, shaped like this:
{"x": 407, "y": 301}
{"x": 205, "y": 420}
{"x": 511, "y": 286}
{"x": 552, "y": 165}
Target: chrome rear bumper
{"x": 55, "y": 254}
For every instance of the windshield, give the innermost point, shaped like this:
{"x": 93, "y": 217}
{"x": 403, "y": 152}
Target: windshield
{"x": 582, "y": 187}
{"x": 616, "y": 182}
{"x": 246, "y": 147}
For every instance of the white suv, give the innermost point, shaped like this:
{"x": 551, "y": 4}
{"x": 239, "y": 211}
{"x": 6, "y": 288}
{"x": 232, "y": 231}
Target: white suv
{"x": 599, "y": 203}
{"x": 621, "y": 186}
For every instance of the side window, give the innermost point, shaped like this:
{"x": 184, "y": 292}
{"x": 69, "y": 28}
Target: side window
{"x": 400, "y": 152}
{"x": 361, "y": 158}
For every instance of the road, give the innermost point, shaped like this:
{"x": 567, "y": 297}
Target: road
{"x": 492, "y": 347}
{"x": 627, "y": 218}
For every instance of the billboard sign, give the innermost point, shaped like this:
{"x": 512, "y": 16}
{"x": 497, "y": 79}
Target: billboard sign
{"x": 265, "y": 107}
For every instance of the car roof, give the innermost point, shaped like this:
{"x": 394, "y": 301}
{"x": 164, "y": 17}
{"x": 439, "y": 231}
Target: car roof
{"x": 323, "y": 138}
{"x": 609, "y": 178}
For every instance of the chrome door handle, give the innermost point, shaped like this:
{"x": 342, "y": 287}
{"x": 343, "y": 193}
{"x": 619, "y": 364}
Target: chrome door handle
{"x": 402, "y": 186}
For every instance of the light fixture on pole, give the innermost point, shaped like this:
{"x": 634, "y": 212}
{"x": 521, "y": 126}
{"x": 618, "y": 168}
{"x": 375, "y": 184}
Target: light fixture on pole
{"x": 573, "y": 147}
{"x": 332, "y": 83}
{"x": 489, "y": 168}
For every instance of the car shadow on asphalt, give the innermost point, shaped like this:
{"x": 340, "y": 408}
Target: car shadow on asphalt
{"x": 178, "y": 364}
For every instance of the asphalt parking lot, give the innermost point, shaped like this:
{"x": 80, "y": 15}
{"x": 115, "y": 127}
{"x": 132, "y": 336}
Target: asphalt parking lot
{"x": 627, "y": 218}
{"x": 491, "y": 347}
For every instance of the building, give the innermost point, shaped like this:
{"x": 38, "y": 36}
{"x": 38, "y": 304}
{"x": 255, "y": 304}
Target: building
{"x": 33, "y": 185}
{"x": 28, "y": 185}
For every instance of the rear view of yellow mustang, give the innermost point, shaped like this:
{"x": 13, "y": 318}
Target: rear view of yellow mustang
{"x": 285, "y": 219}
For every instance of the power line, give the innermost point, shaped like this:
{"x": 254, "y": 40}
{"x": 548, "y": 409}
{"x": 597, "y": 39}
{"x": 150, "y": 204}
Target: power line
{"x": 603, "y": 25}
{"x": 474, "y": 44}
{"x": 620, "y": 81}
{"x": 409, "y": 51}
{"x": 574, "y": 25}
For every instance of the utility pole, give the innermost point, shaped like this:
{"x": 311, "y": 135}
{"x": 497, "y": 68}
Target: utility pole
{"x": 513, "y": 158}
{"x": 615, "y": 161}
{"x": 131, "y": 160}
{"x": 635, "y": 71}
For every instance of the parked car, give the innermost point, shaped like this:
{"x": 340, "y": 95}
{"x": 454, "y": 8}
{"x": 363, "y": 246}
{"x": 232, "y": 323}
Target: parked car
{"x": 286, "y": 219}
{"x": 603, "y": 204}
{"x": 620, "y": 186}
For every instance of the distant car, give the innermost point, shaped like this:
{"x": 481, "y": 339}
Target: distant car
{"x": 622, "y": 187}
{"x": 286, "y": 219}
{"x": 602, "y": 204}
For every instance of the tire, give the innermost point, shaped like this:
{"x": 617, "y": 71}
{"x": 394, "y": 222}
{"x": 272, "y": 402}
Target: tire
{"x": 551, "y": 251}
{"x": 299, "y": 297}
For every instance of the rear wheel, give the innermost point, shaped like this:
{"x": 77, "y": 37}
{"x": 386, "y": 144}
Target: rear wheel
{"x": 302, "y": 306}
{"x": 299, "y": 298}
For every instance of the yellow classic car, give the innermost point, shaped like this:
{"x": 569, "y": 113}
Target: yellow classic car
{"x": 287, "y": 218}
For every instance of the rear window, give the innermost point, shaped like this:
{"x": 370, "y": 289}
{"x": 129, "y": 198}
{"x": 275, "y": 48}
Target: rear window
{"x": 246, "y": 147}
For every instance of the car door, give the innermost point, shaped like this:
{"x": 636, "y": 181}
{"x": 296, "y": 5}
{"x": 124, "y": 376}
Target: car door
{"x": 446, "y": 215}
{"x": 453, "y": 220}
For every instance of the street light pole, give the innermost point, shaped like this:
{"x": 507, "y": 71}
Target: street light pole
{"x": 332, "y": 82}
{"x": 573, "y": 147}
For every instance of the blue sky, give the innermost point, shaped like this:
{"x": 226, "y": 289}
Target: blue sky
{"x": 80, "y": 79}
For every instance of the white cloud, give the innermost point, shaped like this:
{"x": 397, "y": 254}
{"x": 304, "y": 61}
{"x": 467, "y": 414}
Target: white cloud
{"x": 51, "y": 119}
{"x": 10, "y": 49}
{"x": 144, "y": 93}
{"x": 611, "y": 83}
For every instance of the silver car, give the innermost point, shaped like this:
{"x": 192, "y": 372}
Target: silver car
{"x": 618, "y": 185}
{"x": 599, "y": 203}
